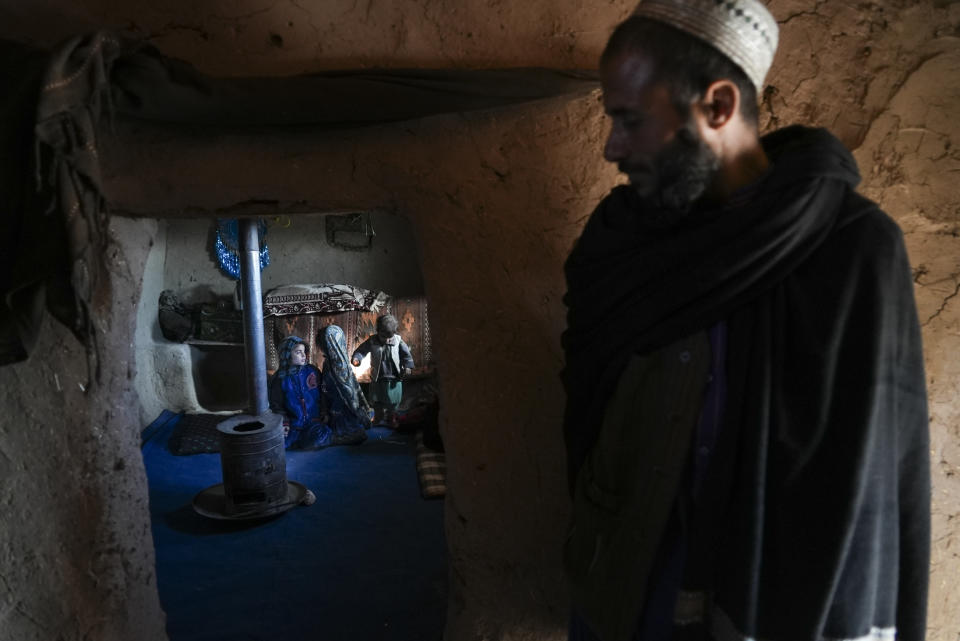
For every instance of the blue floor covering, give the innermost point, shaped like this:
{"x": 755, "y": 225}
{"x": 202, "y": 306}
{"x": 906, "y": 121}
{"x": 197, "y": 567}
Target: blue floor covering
{"x": 366, "y": 562}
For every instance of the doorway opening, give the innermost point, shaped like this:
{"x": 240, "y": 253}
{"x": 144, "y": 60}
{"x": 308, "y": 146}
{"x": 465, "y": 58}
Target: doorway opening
{"x": 367, "y": 559}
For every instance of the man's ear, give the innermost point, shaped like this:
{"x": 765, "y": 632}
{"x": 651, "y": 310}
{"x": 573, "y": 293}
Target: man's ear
{"x": 720, "y": 103}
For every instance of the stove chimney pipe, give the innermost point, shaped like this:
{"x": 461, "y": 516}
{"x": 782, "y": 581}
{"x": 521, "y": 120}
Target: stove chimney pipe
{"x": 254, "y": 351}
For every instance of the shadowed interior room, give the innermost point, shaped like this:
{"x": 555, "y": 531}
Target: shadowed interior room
{"x": 468, "y": 136}
{"x": 377, "y": 525}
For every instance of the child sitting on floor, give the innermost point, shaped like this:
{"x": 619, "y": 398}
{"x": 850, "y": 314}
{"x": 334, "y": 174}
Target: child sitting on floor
{"x": 295, "y": 394}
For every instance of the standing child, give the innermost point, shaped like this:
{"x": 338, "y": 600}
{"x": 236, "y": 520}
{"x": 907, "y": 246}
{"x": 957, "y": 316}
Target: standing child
{"x": 390, "y": 360}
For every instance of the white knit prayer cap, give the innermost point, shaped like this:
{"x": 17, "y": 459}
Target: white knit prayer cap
{"x": 742, "y": 30}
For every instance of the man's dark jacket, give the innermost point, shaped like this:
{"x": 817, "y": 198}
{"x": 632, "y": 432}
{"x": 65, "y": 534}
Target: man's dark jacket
{"x": 824, "y": 530}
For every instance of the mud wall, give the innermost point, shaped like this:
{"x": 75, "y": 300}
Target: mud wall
{"x": 299, "y": 254}
{"x": 885, "y": 77}
{"x": 495, "y": 201}
{"x": 75, "y": 547}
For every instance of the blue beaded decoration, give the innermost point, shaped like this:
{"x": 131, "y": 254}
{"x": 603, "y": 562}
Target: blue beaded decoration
{"x": 227, "y": 246}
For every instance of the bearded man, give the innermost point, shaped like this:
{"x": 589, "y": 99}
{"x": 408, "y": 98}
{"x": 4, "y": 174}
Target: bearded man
{"x": 746, "y": 422}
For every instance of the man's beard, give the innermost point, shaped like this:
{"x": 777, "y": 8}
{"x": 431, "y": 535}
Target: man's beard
{"x": 685, "y": 168}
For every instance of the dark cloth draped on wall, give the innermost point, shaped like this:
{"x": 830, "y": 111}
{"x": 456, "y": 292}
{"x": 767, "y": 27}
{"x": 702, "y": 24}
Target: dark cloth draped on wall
{"x": 53, "y": 222}
{"x": 413, "y": 326}
{"x": 829, "y": 493}
{"x": 21, "y": 283}
{"x": 149, "y": 86}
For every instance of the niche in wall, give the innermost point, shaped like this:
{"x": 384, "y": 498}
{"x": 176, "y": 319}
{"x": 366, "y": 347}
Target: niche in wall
{"x": 350, "y": 231}
{"x": 219, "y": 375}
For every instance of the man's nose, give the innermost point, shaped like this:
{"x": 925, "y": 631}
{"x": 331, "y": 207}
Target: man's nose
{"x": 613, "y": 151}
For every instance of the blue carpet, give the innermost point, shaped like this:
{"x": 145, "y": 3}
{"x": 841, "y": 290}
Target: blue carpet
{"x": 366, "y": 562}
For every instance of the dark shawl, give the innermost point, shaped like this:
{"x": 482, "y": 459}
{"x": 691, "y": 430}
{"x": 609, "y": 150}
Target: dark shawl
{"x": 339, "y": 381}
{"x": 820, "y": 522}
{"x": 53, "y": 220}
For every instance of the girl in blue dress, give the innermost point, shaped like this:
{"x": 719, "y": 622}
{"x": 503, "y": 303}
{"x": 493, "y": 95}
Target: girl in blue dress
{"x": 295, "y": 394}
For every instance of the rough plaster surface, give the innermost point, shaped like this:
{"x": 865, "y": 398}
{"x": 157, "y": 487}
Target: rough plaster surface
{"x": 911, "y": 160}
{"x": 885, "y": 76}
{"x": 149, "y": 379}
{"x": 299, "y": 253}
{"x": 280, "y": 37}
{"x": 75, "y": 547}
{"x": 495, "y": 200}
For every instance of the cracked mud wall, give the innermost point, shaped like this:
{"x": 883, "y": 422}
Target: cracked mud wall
{"x": 268, "y": 37}
{"x": 496, "y": 201}
{"x": 885, "y": 77}
{"x": 77, "y": 555}
{"x": 911, "y": 162}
